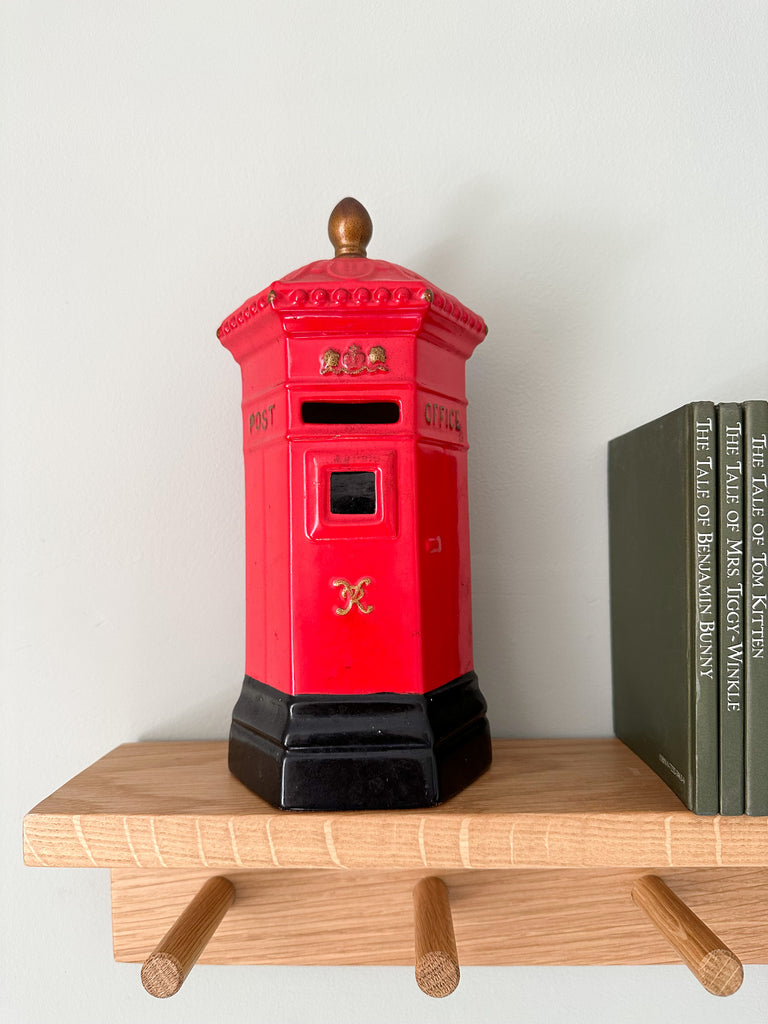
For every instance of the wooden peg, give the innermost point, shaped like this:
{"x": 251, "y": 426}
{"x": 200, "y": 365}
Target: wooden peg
{"x": 718, "y": 968}
{"x": 437, "y": 962}
{"x": 165, "y": 969}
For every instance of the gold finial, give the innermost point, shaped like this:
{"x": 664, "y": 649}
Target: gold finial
{"x": 349, "y": 228}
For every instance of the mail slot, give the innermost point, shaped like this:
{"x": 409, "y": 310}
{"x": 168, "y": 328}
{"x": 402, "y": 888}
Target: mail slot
{"x": 359, "y": 689}
{"x": 350, "y": 413}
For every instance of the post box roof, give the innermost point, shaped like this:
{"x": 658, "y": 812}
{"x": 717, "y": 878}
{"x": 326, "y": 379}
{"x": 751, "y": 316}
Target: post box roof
{"x": 349, "y": 282}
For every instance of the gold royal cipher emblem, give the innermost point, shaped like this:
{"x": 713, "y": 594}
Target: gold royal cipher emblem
{"x": 353, "y": 594}
{"x": 354, "y": 361}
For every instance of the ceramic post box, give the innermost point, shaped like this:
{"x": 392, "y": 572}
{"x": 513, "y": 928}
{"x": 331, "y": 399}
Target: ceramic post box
{"x": 359, "y": 690}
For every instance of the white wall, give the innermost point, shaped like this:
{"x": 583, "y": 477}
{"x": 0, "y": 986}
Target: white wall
{"x": 590, "y": 177}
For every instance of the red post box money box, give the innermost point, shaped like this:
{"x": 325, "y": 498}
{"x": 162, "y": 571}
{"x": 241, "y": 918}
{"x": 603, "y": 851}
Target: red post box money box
{"x": 359, "y": 690}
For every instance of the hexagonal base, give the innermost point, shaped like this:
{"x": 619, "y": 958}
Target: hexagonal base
{"x": 379, "y": 751}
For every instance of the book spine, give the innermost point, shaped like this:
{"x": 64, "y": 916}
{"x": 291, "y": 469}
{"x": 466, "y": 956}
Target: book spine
{"x": 756, "y": 607}
{"x": 730, "y": 531}
{"x": 704, "y": 789}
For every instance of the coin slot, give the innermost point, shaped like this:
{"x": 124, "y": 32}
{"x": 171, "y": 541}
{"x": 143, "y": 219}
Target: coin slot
{"x": 350, "y": 412}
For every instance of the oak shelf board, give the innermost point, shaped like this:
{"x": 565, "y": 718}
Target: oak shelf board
{"x": 559, "y": 803}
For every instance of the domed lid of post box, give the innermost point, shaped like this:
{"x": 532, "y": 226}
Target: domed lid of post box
{"x": 350, "y": 286}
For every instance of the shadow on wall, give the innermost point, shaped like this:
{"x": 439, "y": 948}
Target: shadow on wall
{"x": 206, "y": 720}
{"x": 537, "y": 475}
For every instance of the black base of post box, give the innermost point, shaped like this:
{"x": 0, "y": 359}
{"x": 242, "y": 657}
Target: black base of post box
{"x": 351, "y": 752}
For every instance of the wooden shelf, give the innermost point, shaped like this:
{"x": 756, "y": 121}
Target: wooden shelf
{"x": 544, "y": 803}
{"x": 165, "y": 817}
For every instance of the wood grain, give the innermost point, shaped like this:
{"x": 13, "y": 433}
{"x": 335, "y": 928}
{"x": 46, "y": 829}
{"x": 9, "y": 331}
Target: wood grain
{"x": 714, "y": 964}
{"x": 574, "y": 916}
{"x": 437, "y": 962}
{"x": 544, "y": 803}
{"x": 168, "y": 965}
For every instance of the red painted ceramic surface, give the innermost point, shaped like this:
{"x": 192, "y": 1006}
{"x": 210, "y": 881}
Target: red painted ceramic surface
{"x": 377, "y": 599}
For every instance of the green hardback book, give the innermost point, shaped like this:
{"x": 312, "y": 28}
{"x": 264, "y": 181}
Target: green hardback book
{"x": 663, "y": 574}
{"x": 756, "y": 605}
{"x": 730, "y": 534}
